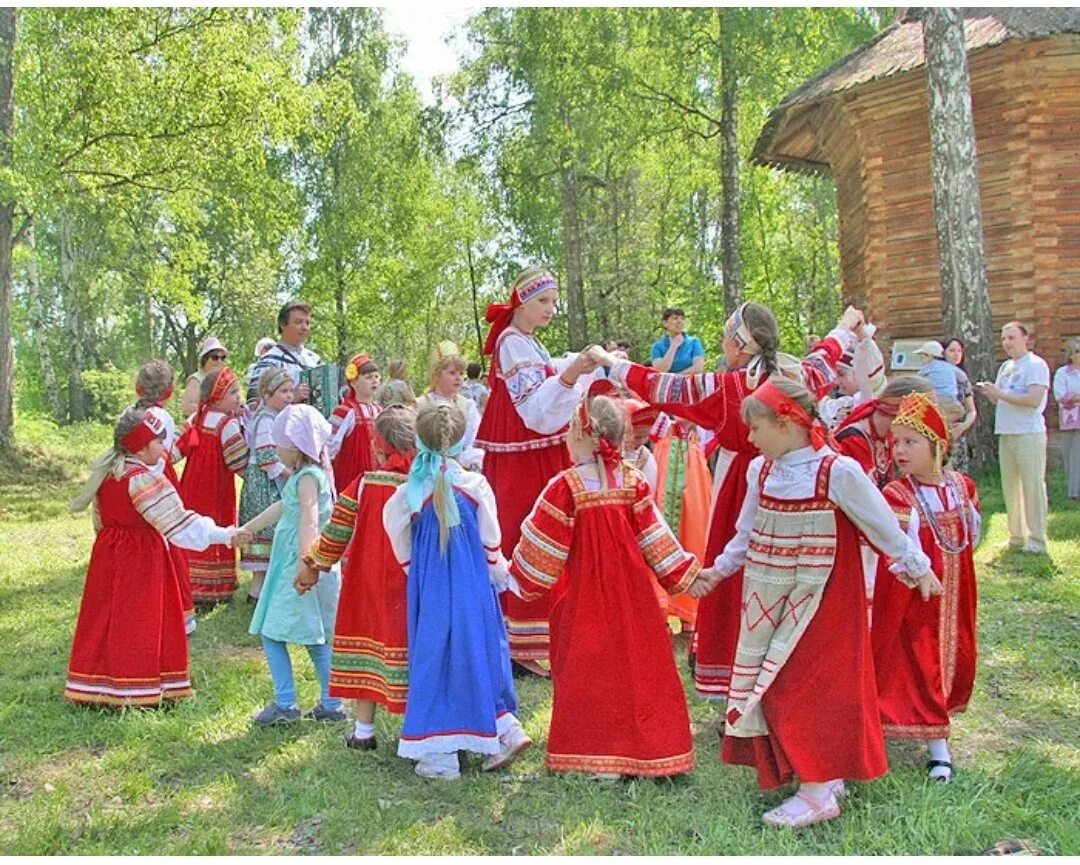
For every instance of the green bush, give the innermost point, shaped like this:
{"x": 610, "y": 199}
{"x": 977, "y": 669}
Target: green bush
{"x": 110, "y": 390}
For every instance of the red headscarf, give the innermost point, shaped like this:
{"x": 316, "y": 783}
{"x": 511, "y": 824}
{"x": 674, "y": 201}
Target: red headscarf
{"x": 393, "y": 459}
{"x": 529, "y": 283}
{"x": 784, "y": 406}
{"x": 139, "y": 437}
{"x": 226, "y": 378}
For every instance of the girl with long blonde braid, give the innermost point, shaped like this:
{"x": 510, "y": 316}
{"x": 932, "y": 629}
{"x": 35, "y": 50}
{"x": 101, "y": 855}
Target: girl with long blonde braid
{"x": 444, "y": 530}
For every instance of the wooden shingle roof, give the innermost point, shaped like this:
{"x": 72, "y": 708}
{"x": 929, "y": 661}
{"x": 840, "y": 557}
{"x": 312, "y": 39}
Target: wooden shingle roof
{"x": 898, "y": 49}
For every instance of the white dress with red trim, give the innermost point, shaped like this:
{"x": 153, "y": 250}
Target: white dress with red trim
{"x": 802, "y": 699}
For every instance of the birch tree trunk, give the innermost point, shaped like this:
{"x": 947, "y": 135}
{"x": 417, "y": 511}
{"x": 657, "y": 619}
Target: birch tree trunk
{"x": 730, "y": 262}
{"x": 39, "y": 327}
{"x": 965, "y": 297}
{"x": 576, "y": 328}
{"x": 8, "y": 17}
{"x": 73, "y": 321}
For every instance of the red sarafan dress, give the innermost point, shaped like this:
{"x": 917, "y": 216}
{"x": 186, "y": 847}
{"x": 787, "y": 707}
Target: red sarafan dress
{"x": 519, "y": 461}
{"x": 357, "y": 454}
{"x": 925, "y": 651}
{"x": 803, "y": 701}
{"x": 619, "y": 704}
{"x": 714, "y": 401}
{"x": 129, "y": 646}
{"x": 370, "y": 659}
{"x": 208, "y": 486}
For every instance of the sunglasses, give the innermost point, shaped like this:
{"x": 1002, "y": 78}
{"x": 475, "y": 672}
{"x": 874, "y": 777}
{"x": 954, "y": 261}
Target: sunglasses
{"x": 215, "y": 356}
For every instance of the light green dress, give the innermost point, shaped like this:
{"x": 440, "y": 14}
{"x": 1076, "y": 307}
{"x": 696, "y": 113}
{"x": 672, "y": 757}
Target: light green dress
{"x": 281, "y": 613}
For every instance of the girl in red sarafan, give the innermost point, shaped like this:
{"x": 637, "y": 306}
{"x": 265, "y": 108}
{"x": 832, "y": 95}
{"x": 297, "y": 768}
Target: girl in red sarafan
{"x": 803, "y": 703}
{"x": 352, "y": 421}
{"x": 924, "y": 650}
{"x": 129, "y": 647}
{"x": 595, "y": 540}
{"x": 751, "y": 342}
{"x": 369, "y": 663}
{"x": 216, "y": 450}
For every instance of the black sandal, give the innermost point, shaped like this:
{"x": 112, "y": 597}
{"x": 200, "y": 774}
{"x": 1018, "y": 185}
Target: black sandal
{"x": 944, "y": 764}
{"x": 354, "y": 741}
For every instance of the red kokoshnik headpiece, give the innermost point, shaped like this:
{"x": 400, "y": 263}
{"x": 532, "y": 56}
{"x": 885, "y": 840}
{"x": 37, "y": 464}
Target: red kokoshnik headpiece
{"x": 784, "y": 406}
{"x": 920, "y": 412}
{"x": 530, "y": 283}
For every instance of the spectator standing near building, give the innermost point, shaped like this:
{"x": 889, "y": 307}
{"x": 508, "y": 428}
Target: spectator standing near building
{"x": 675, "y": 351}
{"x": 1019, "y": 398}
{"x": 946, "y": 378}
{"x": 1067, "y": 394}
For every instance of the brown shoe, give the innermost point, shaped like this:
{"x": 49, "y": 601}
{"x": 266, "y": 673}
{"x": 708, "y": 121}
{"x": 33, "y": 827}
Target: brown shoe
{"x": 354, "y": 741}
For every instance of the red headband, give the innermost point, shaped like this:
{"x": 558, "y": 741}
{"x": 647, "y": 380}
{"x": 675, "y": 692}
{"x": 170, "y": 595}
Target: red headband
{"x": 189, "y": 439}
{"x": 499, "y": 315}
{"x": 164, "y": 398}
{"x": 395, "y": 460}
{"x": 784, "y": 406}
{"x": 141, "y": 436}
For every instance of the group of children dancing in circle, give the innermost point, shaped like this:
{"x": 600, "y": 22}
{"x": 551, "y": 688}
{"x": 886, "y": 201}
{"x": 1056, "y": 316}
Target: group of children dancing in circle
{"x": 417, "y": 552}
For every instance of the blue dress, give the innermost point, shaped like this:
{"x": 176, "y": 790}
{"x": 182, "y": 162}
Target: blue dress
{"x": 281, "y": 613}
{"x": 459, "y": 657}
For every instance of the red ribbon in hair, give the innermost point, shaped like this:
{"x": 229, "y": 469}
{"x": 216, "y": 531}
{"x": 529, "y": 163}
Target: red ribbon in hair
{"x": 161, "y": 400}
{"x": 609, "y": 455}
{"x": 139, "y": 438}
{"x": 528, "y": 285}
{"x": 190, "y": 438}
{"x": 393, "y": 459}
{"x": 784, "y": 406}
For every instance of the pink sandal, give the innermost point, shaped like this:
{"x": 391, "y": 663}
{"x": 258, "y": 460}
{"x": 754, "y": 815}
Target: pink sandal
{"x": 820, "y": 811}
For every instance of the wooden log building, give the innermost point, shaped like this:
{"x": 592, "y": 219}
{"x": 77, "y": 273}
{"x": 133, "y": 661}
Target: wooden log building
{"x": 864, "y": 122}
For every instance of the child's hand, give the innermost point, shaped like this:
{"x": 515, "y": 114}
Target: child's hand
{"x": 929, "y": 585}
{"x": 707, "y": 580}
{"x": 306, "y": 578}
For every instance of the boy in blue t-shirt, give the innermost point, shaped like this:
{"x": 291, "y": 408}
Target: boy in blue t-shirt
{"x": 675, "y": 351}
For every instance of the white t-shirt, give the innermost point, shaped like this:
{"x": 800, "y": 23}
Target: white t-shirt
{"x": 1016, "y": 376}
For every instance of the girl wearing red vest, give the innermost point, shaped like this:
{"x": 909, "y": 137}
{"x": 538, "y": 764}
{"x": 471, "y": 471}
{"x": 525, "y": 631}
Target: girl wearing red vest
{"x": 129, "y": 647}
{"x": 352, "y": 422}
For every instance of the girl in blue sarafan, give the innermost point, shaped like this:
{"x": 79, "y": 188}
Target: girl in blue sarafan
{"x": 444, "y": 530}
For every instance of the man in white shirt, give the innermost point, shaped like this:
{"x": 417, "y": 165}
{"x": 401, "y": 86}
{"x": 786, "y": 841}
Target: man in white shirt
{"x": 1019, "y": 397}
{"x": 290, "y": 353}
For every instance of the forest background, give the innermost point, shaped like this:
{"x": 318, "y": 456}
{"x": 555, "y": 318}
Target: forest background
{"x": 176, "y": 173}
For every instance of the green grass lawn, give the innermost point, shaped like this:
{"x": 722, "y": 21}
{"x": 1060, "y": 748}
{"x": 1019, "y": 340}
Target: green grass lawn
{"x": 196, "y": 778}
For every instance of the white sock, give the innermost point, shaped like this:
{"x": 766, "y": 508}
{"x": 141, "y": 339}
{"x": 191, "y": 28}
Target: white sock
{"x": 818, "y": 790}
{"x": 939, "y": 750}
{"x": 362, "y": 730}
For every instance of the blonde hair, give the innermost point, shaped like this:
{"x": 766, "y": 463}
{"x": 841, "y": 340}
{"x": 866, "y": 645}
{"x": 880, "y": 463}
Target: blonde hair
{"x": 396, "y": 368}
{"x": 951, "y": 409}
{"x": 754, "y": 409}
{"x": 112, "y": 461}
{"x": 609, "y": 422}
{"x": 267, "y": 376}
{"x": 446, "y": 355}
{"x": 152, "y": 382}
{"x": 439, "y": 428}
{"x": 396, "y": 425}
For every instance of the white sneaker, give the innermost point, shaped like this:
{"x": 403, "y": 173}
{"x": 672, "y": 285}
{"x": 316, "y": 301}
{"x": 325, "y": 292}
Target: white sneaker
{"x": 1033, "y": 548}
{"x": 514, "y": 741}
{"x": 443, "y": 773}
{"x": 190, "y": 625}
